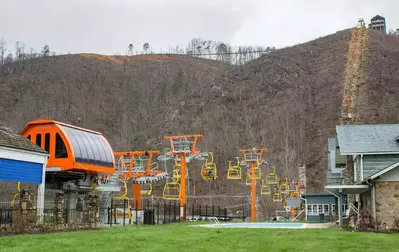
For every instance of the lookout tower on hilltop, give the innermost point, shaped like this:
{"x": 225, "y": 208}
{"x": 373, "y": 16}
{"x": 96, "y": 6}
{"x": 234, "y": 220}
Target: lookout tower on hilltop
{"x": 378, "y": 23}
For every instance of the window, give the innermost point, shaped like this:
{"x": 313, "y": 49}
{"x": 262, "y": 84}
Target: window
{"x": 344, "y": 208}
{"x": 326, "y": 209}
{"x": 29, "y": 137}
{"x": 318, "y": 209}
{"x": 47, "y": 142}
{"x": 39, "y": 140}
{"x": 60, "y": 148}
{"x": 321, "y": 208}
{"x": 314, "y": 209}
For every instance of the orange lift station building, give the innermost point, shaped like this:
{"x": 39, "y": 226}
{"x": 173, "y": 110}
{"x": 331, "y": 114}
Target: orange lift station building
{"x": 75, "y": 153}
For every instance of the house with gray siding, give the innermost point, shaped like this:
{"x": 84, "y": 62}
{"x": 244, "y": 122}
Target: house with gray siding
{"x": 364, "y": 163}
{"x": 323, "y": 206}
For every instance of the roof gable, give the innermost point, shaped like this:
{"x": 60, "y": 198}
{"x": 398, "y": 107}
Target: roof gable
{"x": 377, "y": 17}
{"x": 368, "y": 139}
{"x": 383, "y": 171}
{"x": 11, "y": 140}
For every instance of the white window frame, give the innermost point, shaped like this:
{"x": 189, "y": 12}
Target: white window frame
{"x": 316, "y": 209}
{"x": 343, "y": 208}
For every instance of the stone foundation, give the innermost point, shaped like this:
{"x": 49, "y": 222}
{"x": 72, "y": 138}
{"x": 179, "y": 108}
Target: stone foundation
{"x": 387, "y": 202}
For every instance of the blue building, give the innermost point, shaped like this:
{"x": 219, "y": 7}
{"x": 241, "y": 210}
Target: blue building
{"x": 323, "y": 206}
{"x": 22, "y": 161}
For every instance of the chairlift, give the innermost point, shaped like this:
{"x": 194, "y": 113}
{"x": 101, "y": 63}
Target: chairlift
{"x": 124, "y": 196}
{"x": 171, "y": 191}
{"x": 271, "y": 178}
{"x": 146, "y": 189}
{"x": 176, "y": 176}
{"x": 248, "y": 180}
{"x": 284, "y": 188}
{"x": 256, "y": 172}
{"x": 208, "y": 170}
{"x": 17, "y": 197}
{"x": 265, "y": 189}
{"x": 277, "y": 197}
{"x": 234, "y": 172}
{"x": 293, "y": 187}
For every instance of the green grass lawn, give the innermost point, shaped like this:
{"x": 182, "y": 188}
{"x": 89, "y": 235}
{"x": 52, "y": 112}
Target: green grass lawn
{"x": 182, "y": 237}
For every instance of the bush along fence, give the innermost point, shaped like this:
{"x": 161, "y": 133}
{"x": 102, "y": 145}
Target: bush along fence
{"x": 24, "y": 217}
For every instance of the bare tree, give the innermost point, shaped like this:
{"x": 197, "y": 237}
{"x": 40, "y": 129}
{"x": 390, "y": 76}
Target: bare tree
{"x": 394, "y": 33}
{"x": 8, "y": 59}
{"x": 130, "y": 51}
{"x": 46, "y": 51}
{"x": 19, "y": 50}
{"x": 3, "y": 50}
{"x": 146, "y": 47}
{"x": 32, "y": 54}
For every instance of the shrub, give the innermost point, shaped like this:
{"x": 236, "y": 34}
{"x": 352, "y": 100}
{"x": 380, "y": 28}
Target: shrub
{"x": 366, "y": 222}
{"x": 395, "y": 225}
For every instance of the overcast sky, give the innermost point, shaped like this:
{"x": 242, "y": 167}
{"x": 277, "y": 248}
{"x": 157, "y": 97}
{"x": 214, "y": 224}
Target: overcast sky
{"x": 108, "y": 26}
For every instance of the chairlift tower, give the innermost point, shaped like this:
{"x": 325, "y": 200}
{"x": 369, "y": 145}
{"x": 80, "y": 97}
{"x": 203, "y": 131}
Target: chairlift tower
{"x": 253, "y": 157}
{"x": 139, "y": 167}
{"x": 182, "y": 149}
{"x": 360, "y": 23}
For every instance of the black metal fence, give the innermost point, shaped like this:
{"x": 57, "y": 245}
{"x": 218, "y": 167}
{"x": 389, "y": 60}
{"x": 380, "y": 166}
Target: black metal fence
{"x": 122, "y": 214}
{"x": 167, "y": 212}
{"x": 5, "y": 217}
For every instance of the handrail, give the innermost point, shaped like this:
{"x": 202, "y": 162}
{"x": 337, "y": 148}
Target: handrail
{"x": 298, "y": 215}
{"x": 215, "y": 220}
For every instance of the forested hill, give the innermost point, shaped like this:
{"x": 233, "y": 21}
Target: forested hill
{"x": 288, "y": 100}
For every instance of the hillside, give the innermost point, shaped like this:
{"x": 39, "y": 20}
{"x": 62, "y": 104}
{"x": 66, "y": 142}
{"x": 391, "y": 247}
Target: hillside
{"x": 123, "y": 97}
{"x": 288, "y": 101}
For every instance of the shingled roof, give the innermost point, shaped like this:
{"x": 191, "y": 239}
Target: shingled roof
{"x": 367, "y": 139}
{"x": 12, "y": 140}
